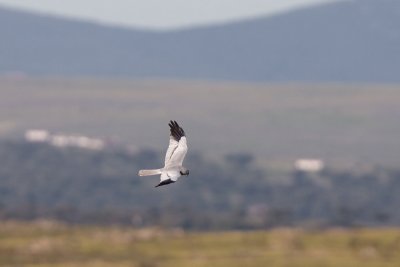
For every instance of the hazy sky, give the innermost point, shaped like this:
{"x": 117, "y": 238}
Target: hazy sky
{"x": 160, "y": 13}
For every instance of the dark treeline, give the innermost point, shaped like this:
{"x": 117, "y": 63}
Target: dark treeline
{"x": 82, "y": 186}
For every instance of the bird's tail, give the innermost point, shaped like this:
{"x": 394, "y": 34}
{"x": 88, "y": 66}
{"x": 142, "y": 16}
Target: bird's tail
{"x": 149, "y": 172}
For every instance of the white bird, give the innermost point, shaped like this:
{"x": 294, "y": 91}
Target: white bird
{"x": 176, "y": 152}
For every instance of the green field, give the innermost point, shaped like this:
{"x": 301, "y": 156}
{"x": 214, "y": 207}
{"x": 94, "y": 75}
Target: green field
{"x": 51, "y": 244}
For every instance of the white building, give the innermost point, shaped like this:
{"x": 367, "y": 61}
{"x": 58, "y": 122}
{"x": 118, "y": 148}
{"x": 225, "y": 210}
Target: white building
{"x": 37, "y": 136}
{"x": 62, "y": 140}
{"x": 309, "y": 165}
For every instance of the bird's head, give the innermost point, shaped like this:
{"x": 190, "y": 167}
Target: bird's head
{"x": 184, "y": 171}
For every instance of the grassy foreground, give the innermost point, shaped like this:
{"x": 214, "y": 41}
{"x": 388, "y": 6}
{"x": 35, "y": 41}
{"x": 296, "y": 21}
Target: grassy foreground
{"x": 50, "y": 244}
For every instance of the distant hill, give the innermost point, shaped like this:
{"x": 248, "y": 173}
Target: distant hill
{"x": 350, "y": 41}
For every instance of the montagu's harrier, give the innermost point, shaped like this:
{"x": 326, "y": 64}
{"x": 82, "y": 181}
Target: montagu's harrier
{"x": 176, "y": 152}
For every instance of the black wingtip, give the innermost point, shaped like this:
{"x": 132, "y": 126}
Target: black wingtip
{"x": 176, "y": 131}
{"x": 165, "y": 182}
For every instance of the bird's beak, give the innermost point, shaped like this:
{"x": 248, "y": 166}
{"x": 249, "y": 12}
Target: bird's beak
{"x": 187, "y": 172}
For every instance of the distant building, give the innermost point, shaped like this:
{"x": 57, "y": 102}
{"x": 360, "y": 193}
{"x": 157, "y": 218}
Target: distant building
{"x": 61, "y": 140}
{"x": 77, "y": 141}
{"x": 309, "y": 165}
{"x": 37, "y": 136}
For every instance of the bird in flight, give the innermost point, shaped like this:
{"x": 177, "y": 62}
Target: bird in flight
{"x": 176, "y": 152}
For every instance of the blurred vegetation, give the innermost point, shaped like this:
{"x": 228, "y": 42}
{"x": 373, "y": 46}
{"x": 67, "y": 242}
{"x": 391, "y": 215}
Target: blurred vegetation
{"x": 339, "y": 123}
{"x": 82, "y": 186}
{"x": 46, "y": 243}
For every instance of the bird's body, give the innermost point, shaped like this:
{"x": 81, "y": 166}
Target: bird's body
{"x": 176, "y": 152}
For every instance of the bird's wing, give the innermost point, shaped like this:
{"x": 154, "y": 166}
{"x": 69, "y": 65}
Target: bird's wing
{"x": 164, "y": 176}
{"x": 169, "y": 175}
{"x": 179, "y": 154}
{"x": 177, "y": 146}
{"x": 173, "y": 144}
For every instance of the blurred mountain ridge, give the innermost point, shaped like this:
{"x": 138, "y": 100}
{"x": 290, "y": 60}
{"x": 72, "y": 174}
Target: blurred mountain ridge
{"x": 349, "y": 41}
